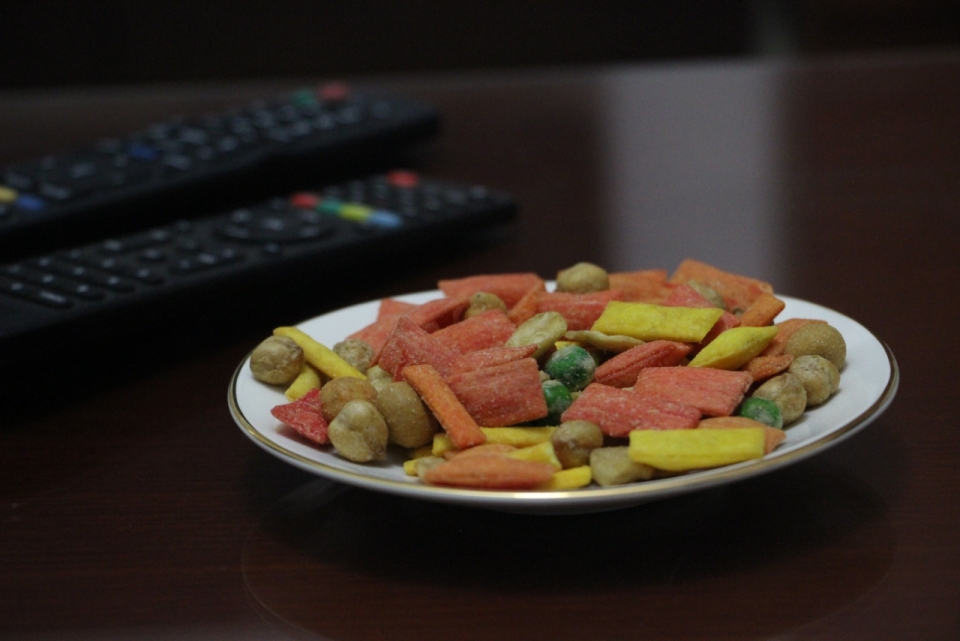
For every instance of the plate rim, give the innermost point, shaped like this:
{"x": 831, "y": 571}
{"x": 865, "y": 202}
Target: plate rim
{"x": 593, "y": 497}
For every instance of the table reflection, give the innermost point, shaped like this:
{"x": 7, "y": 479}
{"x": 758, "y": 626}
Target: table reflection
{"x": 351, "y": 564}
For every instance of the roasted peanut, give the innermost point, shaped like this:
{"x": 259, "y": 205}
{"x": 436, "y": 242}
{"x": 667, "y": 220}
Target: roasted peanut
{"x": 340, "y": 391}
{"x": 359, "y": 433}
{"x": 277, "y": 360}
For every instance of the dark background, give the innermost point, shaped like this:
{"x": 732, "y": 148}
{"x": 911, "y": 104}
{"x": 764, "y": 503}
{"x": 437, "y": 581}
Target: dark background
{"x": 57, "y": 43}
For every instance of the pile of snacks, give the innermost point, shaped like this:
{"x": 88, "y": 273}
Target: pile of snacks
{"x": 609, "y": 379}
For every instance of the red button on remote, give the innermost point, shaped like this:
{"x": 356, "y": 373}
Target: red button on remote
{"x": 303, "y": 200}
{"x": 334, "y": 92}
{"x": 401, "y": 178}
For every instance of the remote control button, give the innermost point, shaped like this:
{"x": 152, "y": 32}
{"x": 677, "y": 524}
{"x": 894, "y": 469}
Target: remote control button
{"x": 81, "y": 290}
{"x": 323, "y": 122}
{"x": 178, "y": 162}
{"x": 207, "y": 260}
{"x": 18, "y": 181}
{"x": 355, "y": 212}
{"x": 51, "y": 299}
{"x": 56, "y": 192}
{"x": 330, "y": 206}
{"x": 241, "y": 216}
{"x": 54, "y": 282}
{"x": 349, "y": 115}
{"x": 144, "y": 275}
{"x": 227, "y": 144}
{"x": 120, "y": 268}
{"x": 385, "y": 219}
{"x": 31, "y": 203}
{"x": 300, "y": 128}
{"x": 272, "y": 250}
{"x": 304, "y": 200}
{"x": 334, "y": 92}
{"x": 82, "y": 169}
{"x": 188, "y": 245}
{"x": 193, "y": 136}
{"x": 304, "y": 98}
{"x": 271, "y": 226}
{"x": 35, "y": 294}
{"x": 405, "y": 179}
{"x": 83, "y": 274}
{"x": 153, "y": 255}
{"x": 139, "y": 151}
{"x": 137, "y": 242}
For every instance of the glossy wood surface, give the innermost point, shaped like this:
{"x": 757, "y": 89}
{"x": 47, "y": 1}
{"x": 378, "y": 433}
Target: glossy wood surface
{"x": 134, "y": 508}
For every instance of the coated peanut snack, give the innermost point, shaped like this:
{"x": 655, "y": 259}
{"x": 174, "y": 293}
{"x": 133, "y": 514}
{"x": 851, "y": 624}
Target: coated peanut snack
{"x": 611, "y": 378}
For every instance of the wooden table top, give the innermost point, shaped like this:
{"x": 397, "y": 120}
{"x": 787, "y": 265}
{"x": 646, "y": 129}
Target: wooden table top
{"x": 133, "y": 507}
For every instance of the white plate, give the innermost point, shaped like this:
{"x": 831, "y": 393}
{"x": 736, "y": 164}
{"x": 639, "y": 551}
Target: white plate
{"x": 868, "y": 384}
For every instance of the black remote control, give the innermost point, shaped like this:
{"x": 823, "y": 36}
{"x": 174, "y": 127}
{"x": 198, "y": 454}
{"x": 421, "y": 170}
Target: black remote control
{"x": 178, "y": 275}
{"x": 193, "y": 166}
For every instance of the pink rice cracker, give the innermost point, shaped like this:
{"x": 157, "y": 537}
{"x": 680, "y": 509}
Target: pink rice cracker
{"x": 715, "y": 392}
{"x": 498, "y": 355}
{"x": 305, "y": 415}
{"x": 491, "y": 328}
{"x": 439, "y": 313}
{"x": 409, "y": 344}
{"x": 579, "y": 310}
{"x": 501, "y": 395}
{"x": 509, "y": 288}
{"x": 617, "y": 412}
{"x": 376, "y": 333}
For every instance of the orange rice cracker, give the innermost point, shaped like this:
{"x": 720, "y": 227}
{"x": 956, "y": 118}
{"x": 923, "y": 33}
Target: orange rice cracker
{"x": 410, "y": 344}
{"x": 762, "y": 311}
{"x": 501, "y": 395}
{"x": 431, "y": 316}
{"x": 622, "y": 370}
{"x": 763, "y": 367}
{"x": 714, "y": 392}
{"x": 526, "y": 308}
{"x": 376, "y": 333}
{"x": 644, "y": 286}
{"x": 579, "y": 310}
{"x": 772, "y": 436}
{"x": 617, "y": 412}
{"x": 491, "y": 328}
{"x": 490, "y": 472}
{"x": 439, "y": 313}
{"x": 509, "y": 288}
{"x": 737, "y": 291}
{"x": 448, "y": 410}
